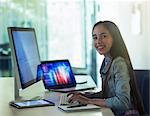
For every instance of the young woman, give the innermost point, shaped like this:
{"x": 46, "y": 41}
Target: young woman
{"x": 119, "y": 89}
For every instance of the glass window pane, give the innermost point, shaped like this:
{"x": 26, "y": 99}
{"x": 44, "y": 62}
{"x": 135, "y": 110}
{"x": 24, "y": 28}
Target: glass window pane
{"x": 21, "y": 13}
{"x": 66, "y": 31}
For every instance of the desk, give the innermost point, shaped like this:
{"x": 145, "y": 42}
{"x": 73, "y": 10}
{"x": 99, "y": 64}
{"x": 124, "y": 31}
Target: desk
{"x": 7, "y": 95}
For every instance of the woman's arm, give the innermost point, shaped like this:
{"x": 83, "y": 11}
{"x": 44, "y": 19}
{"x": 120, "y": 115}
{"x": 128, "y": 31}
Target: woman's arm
{"x": 121, "y": 78}
{"x": 121, "y": 94}
{"x": 85, "y": 100}
{"x": 93, "y": 94}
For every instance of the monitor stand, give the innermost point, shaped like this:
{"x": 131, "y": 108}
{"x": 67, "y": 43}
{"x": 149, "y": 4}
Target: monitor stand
{"x": 17, "y": 96}
{"x": 34, "y": 92}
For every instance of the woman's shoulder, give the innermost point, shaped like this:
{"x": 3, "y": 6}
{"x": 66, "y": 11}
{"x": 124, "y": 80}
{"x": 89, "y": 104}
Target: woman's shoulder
{"x": 119, "y": 62}
{"x": 118, "y": 59}
{"x": 119, "y": 65}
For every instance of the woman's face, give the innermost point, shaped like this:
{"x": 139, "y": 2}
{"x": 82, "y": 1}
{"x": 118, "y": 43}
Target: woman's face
{"x": 102, "y": 40}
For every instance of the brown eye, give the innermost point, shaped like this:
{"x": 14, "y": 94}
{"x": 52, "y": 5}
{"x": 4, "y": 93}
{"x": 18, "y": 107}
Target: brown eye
{"x": 94, "y": 37}
{"x": 103, "y": 36}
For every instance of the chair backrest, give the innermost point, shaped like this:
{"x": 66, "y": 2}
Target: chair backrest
{"x": 5, "y": 58}
{"x": 143, "y": 79}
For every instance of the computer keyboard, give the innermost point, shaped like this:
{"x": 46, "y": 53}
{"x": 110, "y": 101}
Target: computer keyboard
{"x": 64, "y": 99}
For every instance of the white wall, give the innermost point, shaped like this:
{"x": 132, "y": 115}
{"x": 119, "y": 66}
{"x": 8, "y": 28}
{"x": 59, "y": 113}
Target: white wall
{"x": 122, "y": 13}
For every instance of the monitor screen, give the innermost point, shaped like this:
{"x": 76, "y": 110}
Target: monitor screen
{"x": 25, "y": 54}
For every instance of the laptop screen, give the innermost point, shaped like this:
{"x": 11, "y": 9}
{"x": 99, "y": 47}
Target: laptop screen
{"x": 57, "y": 74}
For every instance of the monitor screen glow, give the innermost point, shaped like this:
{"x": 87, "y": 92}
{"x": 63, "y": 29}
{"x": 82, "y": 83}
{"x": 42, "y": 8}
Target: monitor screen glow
{"x": 25, "y": 52}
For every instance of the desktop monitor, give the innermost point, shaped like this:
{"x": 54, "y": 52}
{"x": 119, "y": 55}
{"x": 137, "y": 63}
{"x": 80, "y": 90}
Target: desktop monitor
{"x": 26, "y": 57}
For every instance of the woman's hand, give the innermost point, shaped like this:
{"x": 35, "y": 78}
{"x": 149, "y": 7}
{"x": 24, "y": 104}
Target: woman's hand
{"x": 76, "y": 96}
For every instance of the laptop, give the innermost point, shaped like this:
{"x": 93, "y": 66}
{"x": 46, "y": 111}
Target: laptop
{"x": 58, "y": 76}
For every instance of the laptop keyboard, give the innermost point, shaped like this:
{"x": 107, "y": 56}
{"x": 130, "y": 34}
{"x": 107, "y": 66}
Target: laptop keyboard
{"x": 64, "y": 99}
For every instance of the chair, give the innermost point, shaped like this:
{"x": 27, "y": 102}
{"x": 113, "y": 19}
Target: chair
{"x": 5, "y": 60}
{"x": 143, "y": 79}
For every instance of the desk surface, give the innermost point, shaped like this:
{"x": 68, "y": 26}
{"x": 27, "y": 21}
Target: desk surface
{"x": 7, "y": 95}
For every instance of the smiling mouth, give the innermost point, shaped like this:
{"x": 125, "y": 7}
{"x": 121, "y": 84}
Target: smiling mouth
{"x": 100, "y": 48}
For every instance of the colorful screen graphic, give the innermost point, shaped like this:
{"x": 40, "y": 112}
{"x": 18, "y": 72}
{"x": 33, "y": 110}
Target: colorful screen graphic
{"x": 57, "y": 74}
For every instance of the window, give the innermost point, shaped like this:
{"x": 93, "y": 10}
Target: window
{"x": 21, "y": 13}
{"x": 69, "y": 32}
{"x": 63, "y": 28}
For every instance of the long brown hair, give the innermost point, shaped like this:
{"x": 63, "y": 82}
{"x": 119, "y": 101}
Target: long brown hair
{"x": 119, "y": 49}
